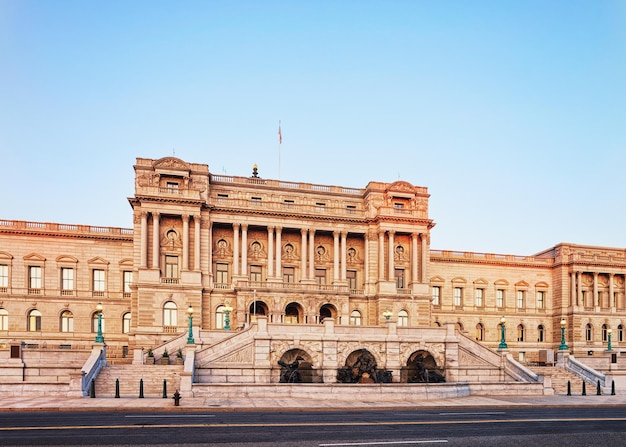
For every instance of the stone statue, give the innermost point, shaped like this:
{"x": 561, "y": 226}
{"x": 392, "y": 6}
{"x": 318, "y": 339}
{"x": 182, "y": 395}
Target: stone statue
{"x": 289, "y": 371}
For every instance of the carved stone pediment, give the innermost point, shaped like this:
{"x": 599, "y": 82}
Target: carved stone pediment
{"x": 171, "y": 163}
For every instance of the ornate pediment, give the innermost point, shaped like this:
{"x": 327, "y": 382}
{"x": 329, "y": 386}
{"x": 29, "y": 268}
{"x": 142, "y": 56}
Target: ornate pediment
{"x": 170, "y": 164}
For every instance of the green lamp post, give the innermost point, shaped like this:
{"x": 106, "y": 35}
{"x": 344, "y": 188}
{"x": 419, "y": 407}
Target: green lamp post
{"x": 608, "y": 334}
{"x": 99, "y": 337}
{"x": 503, "y": 344}
{"x": 227, "y": 310}
{"x": 563, "y": 346}
{"x": 190, "y": 340}
{"x": 387, "y": 314}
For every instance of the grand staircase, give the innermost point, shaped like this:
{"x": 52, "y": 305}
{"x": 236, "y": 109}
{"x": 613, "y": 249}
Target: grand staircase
{"x": 129, "y": 378}
{"x": 560, "y": 377}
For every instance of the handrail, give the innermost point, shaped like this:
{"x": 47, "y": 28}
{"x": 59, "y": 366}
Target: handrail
{"x": 583, "y": 371}
{"x": 96, "y": 361}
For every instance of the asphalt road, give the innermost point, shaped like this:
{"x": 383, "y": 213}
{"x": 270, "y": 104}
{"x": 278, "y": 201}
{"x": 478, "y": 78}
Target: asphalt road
{"x": 588, "y": 426}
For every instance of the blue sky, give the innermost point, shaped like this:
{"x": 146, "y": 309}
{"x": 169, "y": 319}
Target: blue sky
{"x": 512, "y": 113}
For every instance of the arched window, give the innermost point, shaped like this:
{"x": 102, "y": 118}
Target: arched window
{"x": 436, "y": 324}
{"x": 403, "y": 318}
{"x": 355, "y": 318}
{"x": 541, "y": 333}
{"x": 170, "y": 314}
{"x": 620, "y": 333}
{"x": 126, "y": 323}
{"x": 588, "y": 332}
{"x": 520, "y": 332}
{"x": 94, "y": 322}
{"x": 4, "y": 320}
{"x": 480, "y": 332}
{"x": 605, "y": 333}
{"x": 292, "y": 313}
{"x": 34, "y": 320}
{"x": 220, "y": 317}
{"x": 67, "y": 321}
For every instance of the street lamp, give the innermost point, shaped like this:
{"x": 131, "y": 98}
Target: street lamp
{"x": 563, "y": 346}
{"x": 608, "y": 333}
{"x": 190, "y": 340}
{"x": 503, "y": 344}
{"x": 99, "y": 337}
{"x": 227, "y": 311}
{"x": 387, "y": 314}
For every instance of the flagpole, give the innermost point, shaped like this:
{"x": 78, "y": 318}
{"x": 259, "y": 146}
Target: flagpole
{"x": 280, "y": 142}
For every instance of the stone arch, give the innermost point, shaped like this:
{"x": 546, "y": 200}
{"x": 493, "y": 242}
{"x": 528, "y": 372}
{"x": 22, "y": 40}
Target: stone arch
{"x": 258, "y": 308}
{"x": 328, "y": 311}
{"x": 421, "y": 367}
{"x": 303, "y": 373}
{"x": 361, "y": 366}
{"x": 294, "y": 313}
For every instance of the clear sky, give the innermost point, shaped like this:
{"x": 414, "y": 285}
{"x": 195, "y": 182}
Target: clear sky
{"x": 512, "y": 113}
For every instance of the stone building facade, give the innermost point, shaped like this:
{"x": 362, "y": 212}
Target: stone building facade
{"x": 236, "y": 248}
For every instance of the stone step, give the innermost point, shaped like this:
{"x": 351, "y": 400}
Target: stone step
{"x": 129, "y": 377}
{"x": 560, "y": 378}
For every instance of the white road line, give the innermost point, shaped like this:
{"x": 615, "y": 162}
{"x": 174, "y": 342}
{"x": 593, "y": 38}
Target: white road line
{"x": 431, "y": 441}
{"x": 477, "y": 413}
{"x": 170, "y": 416}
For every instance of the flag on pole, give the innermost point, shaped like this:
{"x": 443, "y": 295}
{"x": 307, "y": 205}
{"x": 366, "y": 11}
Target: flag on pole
{"x": 280, "y": 135}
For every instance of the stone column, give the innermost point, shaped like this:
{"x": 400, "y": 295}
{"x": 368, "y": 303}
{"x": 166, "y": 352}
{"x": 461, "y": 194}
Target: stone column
{"x": 335, "y": 256}
{"x": 381, "y": 255}
{"x": 611, "y": 292}
{"x": 143, "y": 255}
{"x": 424, "y": 260}
{"x": 303, "y": 269}
{"x": 185, "y": 241}
{"x": 311, "y": 254}
{"x": 572, "y": 293}
{"x": 244, "y": 249}
{"x": 366, "y": 260}
{"x": 196, "y": 243}
{"x": 210, "y": 253}
{"x": 270, "y": 252}
{"x": 579, "y": 281}
{"x": 279, "y": 252}
{"x": 391, "y": 271}
{"x": 236, "y": 249}
{"x": 596, "y": 301}
{"x": 155, "y": 240}
{"x": 344, "y": 237}
{"x": 414, "y": 257}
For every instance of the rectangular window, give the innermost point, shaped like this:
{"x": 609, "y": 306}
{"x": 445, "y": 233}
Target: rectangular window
{"x": 4, "y": 276}
{"x": 98, "y": 280}
{"x": 541, "y": 299}
{"x": 67, "y": 278}
{"x": 351, "y": 209}
{"x": 128, "y": 280}
{"x": 221, "y": 273}
{"x": 255, "y": 273}
{"x": 34, "y": 277}
{"x": 289, "y": 275}
{"x": 255, "y": 201}
{"x": 171, "y": 266}
{"x": 399, "y": 274}
{"x": 500, "y": 298}
{"x": 398, "y": 206}
{"x": 436, "y": 295}
{"x": 351, "y": 277}
{"x": 480, "y": 296}
{"x": 320, "y": 276}
{"x": 520, "y": 299}
{"x": 320, "y": 207}
{"x": 172, "y": 187}
{"x": 458, "y": 296}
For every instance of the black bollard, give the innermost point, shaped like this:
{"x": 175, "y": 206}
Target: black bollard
{"x": 140, "y": 388}
{"x": 598, "y": 389}
{"x": 92, "y": 389}
{"x": 164, "y": 389}
{"x": 584, "y": 389}
{"x": 117, "y": 388}
{"x": 177, "y": 399}
{"x": 569, "y": 388}
{"x": 613, "y": 388}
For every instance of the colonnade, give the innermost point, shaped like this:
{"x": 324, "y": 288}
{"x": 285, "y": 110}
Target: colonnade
{"x": 577, "y": 288}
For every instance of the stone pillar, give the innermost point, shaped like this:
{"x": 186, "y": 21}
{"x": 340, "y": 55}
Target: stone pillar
{"x": 143, "y": 255}
{"x": 196, "y": 243}
{"x": 596, "y": 301}
{"x": 185, "y": 242}
{"x": 311, "y": 254}
{"x": 381, "y": 255}
{"x": 425, "y": 259}
{"x": 612, "y": 302}
{"x": 579, "y": 281}
{"x": 155, "y": 240}
{"x": 572, "y": 293}
{"x": 279, "y": 252}
{"x": 391, "y": 272}
{"x": 236, "y": 249}
{"x": 366, "y": 257}
{"x": 244, "y": 249}
{"x": 210, "y": 253}
{"x": 270, "y": 252}
{"x": 303, "y": 270}
{"x": 414, "y": 259}
{"x": 335, "y": 256}
{"x": 344, "y": 236}
{"x": 329, "y": 352}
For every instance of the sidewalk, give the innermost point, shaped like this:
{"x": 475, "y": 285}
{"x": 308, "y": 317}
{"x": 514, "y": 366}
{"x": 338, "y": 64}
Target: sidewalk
{"x": 273, "y": 404}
